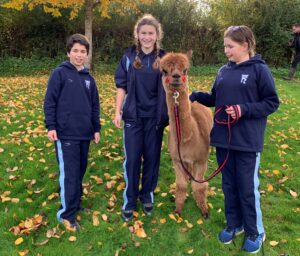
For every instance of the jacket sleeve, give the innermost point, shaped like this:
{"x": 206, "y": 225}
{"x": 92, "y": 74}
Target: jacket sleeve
{"x": 51, "y": 98}
{"x": 95, "y": 109}
{"x": 121, "y": 73}
{"x": 269, "y": 100}
{"x": 205, "y": 98}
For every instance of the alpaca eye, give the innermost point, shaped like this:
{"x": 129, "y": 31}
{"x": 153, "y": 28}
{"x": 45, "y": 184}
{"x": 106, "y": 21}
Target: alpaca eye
{"x": 164, "y": 72}
{"x": 185, "y": 71}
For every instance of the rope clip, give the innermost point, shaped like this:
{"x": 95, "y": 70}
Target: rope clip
{"x": 175, "y": 96}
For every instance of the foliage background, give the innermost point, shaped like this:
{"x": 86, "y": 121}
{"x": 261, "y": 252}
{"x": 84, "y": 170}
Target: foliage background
{"x": 188, "y": 24}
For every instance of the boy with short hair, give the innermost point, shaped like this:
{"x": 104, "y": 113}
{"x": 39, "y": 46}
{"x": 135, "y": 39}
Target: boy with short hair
{"x": 72, "y": 114}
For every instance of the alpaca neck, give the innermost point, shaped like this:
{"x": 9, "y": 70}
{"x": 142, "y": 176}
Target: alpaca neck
{"x": 184, "y": 106}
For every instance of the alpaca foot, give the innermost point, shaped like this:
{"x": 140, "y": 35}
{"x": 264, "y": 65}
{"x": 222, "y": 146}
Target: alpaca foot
{"x": 205, "y": 214}
{"x": 178, "y": 212}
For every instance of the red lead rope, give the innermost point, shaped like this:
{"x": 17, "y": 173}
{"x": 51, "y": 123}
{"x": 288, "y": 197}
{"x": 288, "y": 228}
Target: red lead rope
{"x": 229, "y": 123}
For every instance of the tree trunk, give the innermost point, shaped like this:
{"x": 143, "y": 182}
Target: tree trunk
{"x": 88, "y": 22}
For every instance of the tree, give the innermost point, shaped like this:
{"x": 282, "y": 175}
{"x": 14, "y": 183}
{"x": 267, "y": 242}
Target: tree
{"x": 105, "y": 7}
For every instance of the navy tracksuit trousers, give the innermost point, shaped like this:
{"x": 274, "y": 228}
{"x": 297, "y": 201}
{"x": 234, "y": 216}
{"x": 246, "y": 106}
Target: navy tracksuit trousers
{"x": 142, "y": 147}
{"x": 240, "y": 183}
{"x": 72, "y": 158}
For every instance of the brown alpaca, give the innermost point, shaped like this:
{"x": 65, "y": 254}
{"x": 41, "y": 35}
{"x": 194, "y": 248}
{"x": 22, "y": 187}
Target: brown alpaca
{"x": 195, "y": 121}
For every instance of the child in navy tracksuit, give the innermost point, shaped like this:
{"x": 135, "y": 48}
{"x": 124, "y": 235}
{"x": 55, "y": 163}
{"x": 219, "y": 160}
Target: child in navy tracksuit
{"x": 295, "y": 43}
{"x": 144, "y": 113}
{"x": 72, "y": 116}
{"x": 245, "y": 90}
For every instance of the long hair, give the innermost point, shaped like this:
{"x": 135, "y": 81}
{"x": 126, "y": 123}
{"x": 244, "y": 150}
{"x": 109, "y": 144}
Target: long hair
{"x": 147, "y": 19}
{"x": 242, "y": 34}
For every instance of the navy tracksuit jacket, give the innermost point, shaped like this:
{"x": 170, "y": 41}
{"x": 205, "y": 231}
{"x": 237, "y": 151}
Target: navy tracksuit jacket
{"x": 296, "y": 45}
{"x": 145, "y": 116}
{"x": 250, "y": 85}
{"x": 71, "y": 108}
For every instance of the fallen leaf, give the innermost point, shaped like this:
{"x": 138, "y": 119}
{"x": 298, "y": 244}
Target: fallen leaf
{"x": 190, "y": 251}
{"x": 284, "y": 146}
{"x": 293, "y": 193}
{"x": 270, "y": 188}
{"x": 19, "y": 241}
{"x": 96, "y": 221}
{"x": 23, "y": 253}
{"x": 274, "y": 243}
{"x": 200, "y": 222}
{"x": 162, "y": 221}
{"x": 72, "y": 238}
{"x": 141, "y": 233}
{"x": 49, "y": 144}
{"x": 104, "y": 217}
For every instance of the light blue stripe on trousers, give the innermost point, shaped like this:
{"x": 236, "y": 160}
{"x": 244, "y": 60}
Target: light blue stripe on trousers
{"x": 61, "y": 180}
{"x": 259, "y": 222}
{"x": 125, "y": 174}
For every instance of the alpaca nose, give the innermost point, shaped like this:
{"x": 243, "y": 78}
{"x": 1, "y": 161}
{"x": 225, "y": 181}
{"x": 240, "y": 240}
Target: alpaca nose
{"x": 176, "y": 76}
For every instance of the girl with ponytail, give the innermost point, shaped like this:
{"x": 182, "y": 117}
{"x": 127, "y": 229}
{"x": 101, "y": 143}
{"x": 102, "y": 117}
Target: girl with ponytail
{"x": 140, "y": 102}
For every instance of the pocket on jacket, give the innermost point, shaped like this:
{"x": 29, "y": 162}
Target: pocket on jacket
{"x": 79, "y": 125}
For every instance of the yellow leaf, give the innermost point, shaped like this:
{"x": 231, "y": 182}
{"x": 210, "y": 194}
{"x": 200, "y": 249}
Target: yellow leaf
{"x": 72, "y": 238}
{"x": 162, "y": 221}
{"x": 199, "y": 222}
{"x": 190, "y": 251}
{"x": 164, "y": 194}
{"x": 121, "y": 186}
{"x": 141, "y": 233}
{"x": 52, "y": 196}
{"x": 293, "y": 193}
{"x": 31, "y": 148}
{"x": 27, "y": 141}
{"x": 19, "y": 241}
{"x": 104, "y": 217}
{"x": 284, "y": 146}
{"x": 23, "y": 253}
{"x": 274, "y": 243}
{"x": 210, "y": 206}
{"x": 188, "y": 224}
{"x": 276, "y": 172}
{"x": 15, "y": 200}
{"x": 172, "y": 216}
{"x": 42, "y": 160}
{"x": 29, "y": 200}
{"x": 1, "y": 150}
{"x": 97, "y": 179}
{"x": 160, "y": 204}
{"x": 49, "y": 144}
{"x": 96, "y": 221}
{"x": 270, "y": 188}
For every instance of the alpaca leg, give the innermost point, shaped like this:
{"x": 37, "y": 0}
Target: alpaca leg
{"x": 181, "y": 188}
{"x": 200, "y": 189}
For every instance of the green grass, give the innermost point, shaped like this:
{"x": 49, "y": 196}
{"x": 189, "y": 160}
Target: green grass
{"x": 21, "y": 116}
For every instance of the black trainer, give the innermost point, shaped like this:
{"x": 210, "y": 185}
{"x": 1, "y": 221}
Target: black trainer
{"x": 127, "y": 215}
{"x": 147, "y": 208}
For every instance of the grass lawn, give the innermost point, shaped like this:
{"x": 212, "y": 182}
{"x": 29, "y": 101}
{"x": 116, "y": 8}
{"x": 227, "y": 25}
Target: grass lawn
{"x": 29, "y": 184}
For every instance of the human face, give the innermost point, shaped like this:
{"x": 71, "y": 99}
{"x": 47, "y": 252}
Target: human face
{"x": 147, "y": 37}
{"x": 236, "y": 52}
{"x": 78, "y": 55}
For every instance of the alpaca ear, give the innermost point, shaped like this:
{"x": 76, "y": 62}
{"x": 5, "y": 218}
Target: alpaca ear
{"x": 189, "y": 54}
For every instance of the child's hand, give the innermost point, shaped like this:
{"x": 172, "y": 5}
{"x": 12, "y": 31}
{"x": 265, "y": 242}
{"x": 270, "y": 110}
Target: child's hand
{"x": 52, "y": 135}
{"x": 97, "y": 137}
{"x": 117, "y": 120}
{"x": 230, "y": 111}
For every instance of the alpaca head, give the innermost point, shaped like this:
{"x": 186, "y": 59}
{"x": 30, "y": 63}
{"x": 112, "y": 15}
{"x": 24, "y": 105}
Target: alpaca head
{"x": 174, "y": 67}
